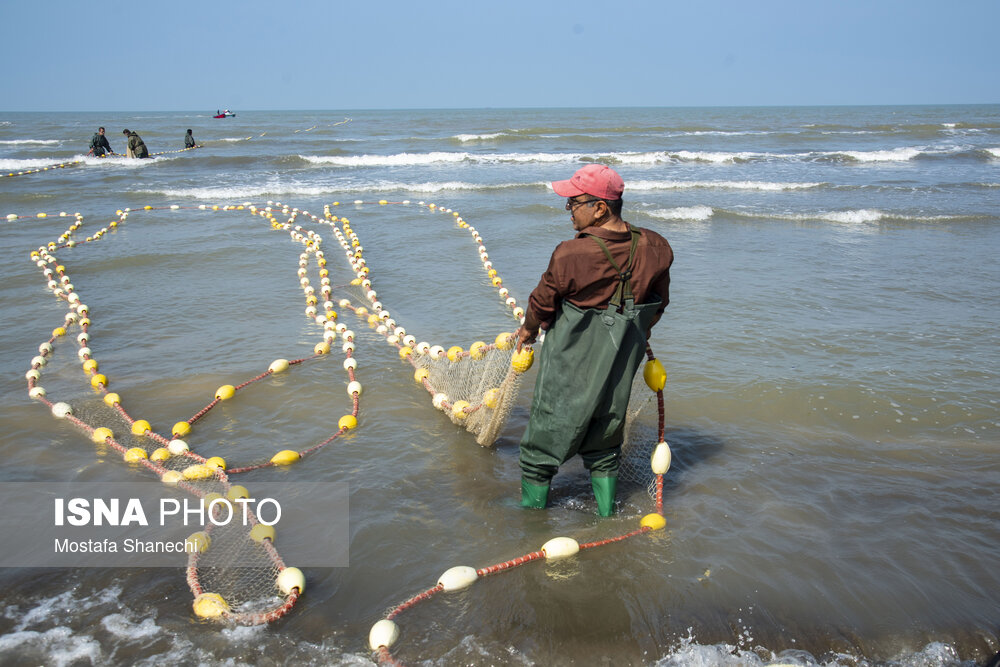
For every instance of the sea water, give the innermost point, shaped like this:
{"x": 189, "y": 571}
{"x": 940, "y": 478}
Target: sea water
{"x": 832, "y": 395}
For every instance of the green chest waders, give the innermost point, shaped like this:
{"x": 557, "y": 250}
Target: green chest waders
{"x": 585, "y": 373}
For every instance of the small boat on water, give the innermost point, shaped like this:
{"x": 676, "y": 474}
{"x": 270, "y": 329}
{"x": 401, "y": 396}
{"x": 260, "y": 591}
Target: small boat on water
{"x": 223, "y": 114}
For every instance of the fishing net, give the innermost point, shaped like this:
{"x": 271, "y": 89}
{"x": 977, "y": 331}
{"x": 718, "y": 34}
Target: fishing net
{"x": 475, "y": 386}
{"x": 234, "y": 570}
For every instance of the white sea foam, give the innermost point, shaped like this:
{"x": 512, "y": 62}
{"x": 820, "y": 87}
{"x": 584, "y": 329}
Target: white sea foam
{"x": 627, "y": 158}
{"x": 241, "y": 634}
{"x": 689, "y": 653}
{"x": 847, "y": 217}
{"x": 530, "y": 157}
{"x": 893, "y": 155}
{"x": 851, "y": 217}
{"x": 87, "y": 160}
{"x": 59, "y": 604}
{"x": 124, "y": 628}
{"x": 21, "y": 165}
{"x": 59, "y": 645}
{"x": 437, "y": 187}
{"x": 396, "y": 160}
{"x": 441, "y": 157}
{"x": 121, "y": 162}
{"x": 239, "y": 192}
{"x": 653, "y": 157}
{"x": 293, "y": 189}
{"x": 719, "y": 157}
{"x": 995, "y": 152}
{"x": 721, "y": 133}
{"x": 14, "y": 142}
{"x": 722, "y": 185}
{"x": 479, "y": 137}
{"x": 695, "y": 213}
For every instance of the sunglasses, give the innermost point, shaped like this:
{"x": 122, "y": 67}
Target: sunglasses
{"x": 571, "y": 205}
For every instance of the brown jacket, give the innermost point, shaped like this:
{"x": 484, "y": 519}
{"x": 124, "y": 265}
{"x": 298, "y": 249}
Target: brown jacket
{"x": 580, "y": 273}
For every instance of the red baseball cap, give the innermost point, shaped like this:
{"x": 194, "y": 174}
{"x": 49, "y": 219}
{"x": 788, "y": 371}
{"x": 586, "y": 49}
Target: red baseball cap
{"x": 598, "y": 180}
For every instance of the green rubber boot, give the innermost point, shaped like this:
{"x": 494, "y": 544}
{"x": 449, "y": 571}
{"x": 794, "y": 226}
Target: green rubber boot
{"x": 604, "y": 492}
{"x": 534, "y": 496}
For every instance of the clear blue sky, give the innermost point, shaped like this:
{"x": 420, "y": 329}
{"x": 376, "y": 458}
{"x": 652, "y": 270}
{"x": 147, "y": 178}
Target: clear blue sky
{"x": 138, "y": 55}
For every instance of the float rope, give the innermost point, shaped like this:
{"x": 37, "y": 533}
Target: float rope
{"x": 74, "y": 163}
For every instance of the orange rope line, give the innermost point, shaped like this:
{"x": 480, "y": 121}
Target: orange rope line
{"x": 416, "y": 599}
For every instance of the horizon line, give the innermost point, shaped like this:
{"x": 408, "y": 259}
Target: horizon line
{"x": 517, "y": 108}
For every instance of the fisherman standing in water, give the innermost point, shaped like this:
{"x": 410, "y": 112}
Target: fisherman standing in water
{"x": 189, "y": 141}
{"x": 598, "y": 300}
{"x": 135, "y": 146}
{"x": 99, "y": 144}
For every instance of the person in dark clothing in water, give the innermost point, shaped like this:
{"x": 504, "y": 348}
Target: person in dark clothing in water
{"x": 135, "y": 146}
{"x": 189, "y": 141}
{"x": 99, "y": 144}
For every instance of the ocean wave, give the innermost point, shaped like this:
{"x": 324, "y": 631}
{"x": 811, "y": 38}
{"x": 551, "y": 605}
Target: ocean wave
{"x": 846, "y": 217}
{"x": 901, "y": 154}
{"x": 693, "y": 213}
{"x": 718, "y": 157}
{"x": 857, "y": 216}
{"x": 284, "y": 189}
{"x": 121, "y": 162}
{"x": 395, "y": 160}
{"x": 722, "y": 185}
{"x": 86, "y": 160}
{"x": 438, "y": 157}
{"x": 993, "y": 152}
{"x": 891, "y": 155}
{"x": 860, "y": 216}
{"x": 239, "y": 192}
{"x": 15, "y": 142}
{"x": 436, "y": 187}
{"x": 445, "y": 157}
{"x": 849, "y": 217}
{"x": 490, "y": 136}
{"x": 723, "y": 133}
{"x": 34, "y": 163}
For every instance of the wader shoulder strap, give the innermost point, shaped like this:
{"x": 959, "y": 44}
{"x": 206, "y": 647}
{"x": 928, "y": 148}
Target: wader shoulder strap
{"x": 623, "y": 292}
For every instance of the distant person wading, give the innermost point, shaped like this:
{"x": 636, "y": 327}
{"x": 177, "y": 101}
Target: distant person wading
{"x": 135, "y": 147}
{"x": 99, "y": 144}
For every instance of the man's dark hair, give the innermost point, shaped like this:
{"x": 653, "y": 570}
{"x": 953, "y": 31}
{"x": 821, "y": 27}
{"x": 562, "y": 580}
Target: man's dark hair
{"x": 615, "y": 206}
{"x": 99, "y": 129}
